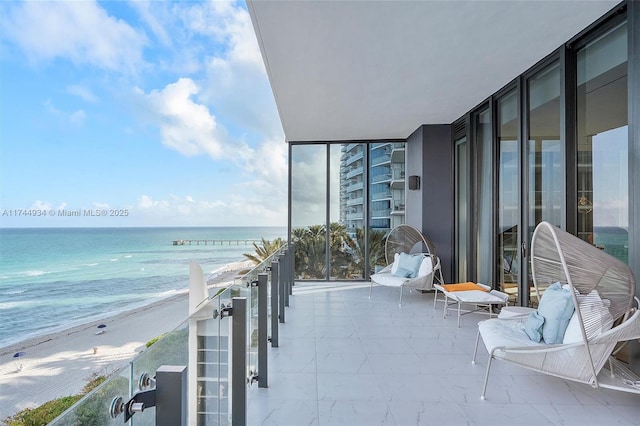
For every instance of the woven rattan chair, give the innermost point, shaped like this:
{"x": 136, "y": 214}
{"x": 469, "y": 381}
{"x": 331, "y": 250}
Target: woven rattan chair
{"x": 407, "y": 239}
{"x": 602, "y": 289}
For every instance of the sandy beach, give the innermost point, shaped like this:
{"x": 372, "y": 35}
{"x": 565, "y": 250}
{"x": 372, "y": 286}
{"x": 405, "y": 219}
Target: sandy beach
{"x": 60, "y": 364}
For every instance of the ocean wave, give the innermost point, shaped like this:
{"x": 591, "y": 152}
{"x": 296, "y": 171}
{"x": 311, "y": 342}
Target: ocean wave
{"x": 115, "y": 259}
{"x": 11, "y": 292}
{"x": 128, "y": 256}
{"x": 34, "y": 273}
{"x": 92, "y": 264}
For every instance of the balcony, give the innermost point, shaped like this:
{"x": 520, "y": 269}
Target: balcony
{"x": 344, "y": 358}
{"x": 381, "y": 160}
{"x": 381, "y": 178}
{"x": 356, "y": 171}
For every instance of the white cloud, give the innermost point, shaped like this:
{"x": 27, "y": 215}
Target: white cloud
{"x": 82, "y": 92}
{"x": 42, "y": 205}
{"x": 236, "y": 80}
{"x": 77, "y": 118}
{"x": 80, "y": 31}
{"x": 186, "y": 126}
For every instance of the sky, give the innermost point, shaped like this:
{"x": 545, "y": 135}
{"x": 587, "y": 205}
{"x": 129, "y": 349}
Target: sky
{"x": 142, "y": 113}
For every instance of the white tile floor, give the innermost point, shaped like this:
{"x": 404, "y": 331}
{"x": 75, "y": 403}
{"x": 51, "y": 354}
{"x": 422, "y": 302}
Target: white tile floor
{"x": 345, "y": 359}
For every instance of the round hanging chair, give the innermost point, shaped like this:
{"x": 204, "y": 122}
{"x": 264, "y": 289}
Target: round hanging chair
{"x": 406, "y": 239}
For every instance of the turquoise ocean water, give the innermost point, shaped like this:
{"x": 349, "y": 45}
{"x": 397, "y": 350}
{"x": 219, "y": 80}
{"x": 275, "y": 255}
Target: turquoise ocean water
{"x": 52, "y": 279}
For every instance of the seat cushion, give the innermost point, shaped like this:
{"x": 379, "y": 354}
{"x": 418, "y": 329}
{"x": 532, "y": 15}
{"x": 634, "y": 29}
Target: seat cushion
{"x": 388, "y": 279}
{"x": 499, "y": 332}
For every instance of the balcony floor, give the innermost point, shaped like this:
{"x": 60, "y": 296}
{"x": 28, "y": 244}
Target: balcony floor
{"x": 345, "y": 359}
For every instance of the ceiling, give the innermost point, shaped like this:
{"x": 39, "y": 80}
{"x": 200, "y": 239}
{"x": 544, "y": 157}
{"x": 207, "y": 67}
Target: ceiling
{"x": 358, "y": 70}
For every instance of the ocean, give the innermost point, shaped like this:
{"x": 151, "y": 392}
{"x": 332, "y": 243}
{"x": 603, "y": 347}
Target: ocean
{"x": 55, "y": 278}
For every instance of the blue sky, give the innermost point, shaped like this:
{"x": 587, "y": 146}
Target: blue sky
{"x": 160, "y": 109}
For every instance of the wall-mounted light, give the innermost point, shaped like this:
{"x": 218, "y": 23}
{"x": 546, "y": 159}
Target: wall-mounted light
{"x": 414, "y": 182}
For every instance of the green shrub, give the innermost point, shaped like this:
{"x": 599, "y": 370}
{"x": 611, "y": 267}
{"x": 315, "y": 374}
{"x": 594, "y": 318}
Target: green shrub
{"x": 154, "y": 340}
{"x": 42, "y": 415}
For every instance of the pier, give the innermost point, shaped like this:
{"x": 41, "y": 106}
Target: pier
{"x": 213, "y": 242}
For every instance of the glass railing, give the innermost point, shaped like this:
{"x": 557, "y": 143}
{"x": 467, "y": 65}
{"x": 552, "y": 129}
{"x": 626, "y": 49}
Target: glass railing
{"x": 203, "y": 343}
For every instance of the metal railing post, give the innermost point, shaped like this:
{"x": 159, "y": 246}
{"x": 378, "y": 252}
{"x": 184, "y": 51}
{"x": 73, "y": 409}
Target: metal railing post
{"x": 239, "y": 362}
{"x": 275, "y": 280}
{"x": 282, "y": 288}
{"x": 287, "y": 290}
{"x": 292, "y": 266}
{"x": 263, "y": 331}
{"x": 171, "y": 395}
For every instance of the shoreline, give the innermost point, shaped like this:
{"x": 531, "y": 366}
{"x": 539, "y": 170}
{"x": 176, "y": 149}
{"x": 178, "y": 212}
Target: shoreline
{"x": 59, "y": 364}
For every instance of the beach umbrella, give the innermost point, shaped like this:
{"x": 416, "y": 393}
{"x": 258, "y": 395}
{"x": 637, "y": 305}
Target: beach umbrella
{"x": 18, "y": 354}
{"x": 102, "y": 326}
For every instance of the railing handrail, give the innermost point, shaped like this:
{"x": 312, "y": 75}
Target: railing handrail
{"x": 127, "y": 371}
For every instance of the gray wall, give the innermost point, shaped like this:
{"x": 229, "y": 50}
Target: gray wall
{"x": 430, "y": 209}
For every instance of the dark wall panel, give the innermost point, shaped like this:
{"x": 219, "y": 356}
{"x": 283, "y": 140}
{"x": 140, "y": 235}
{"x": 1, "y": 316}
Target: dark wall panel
{"x": 436, "y": 190}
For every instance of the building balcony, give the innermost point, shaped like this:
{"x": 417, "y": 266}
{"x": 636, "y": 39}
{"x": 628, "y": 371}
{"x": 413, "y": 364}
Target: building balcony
{"x": 354, "y": 172}
{"x": 378, "y": 196}
{"x": 355, "y": 201}
{"x": 353, "y": 158}
{"x": 397, "y": 154}
{"x": 381, "y": 178}
{"x": 380, "y": 160}
{"x": 355, "y": 216}
{"x": 354, "y": 187}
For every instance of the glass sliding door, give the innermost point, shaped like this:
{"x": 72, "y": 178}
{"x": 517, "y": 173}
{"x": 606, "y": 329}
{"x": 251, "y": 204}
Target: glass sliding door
{"x": 603, "y": 143}
{"x": 462, "y": 207}
{"x": 508, "y": 194}
{"x": 309, "y": 210}
{"x": 484, "y": 197}
{"x": 545, "y": 154}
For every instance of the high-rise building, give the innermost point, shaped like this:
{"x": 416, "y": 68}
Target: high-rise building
{"x": 385, "y": 179}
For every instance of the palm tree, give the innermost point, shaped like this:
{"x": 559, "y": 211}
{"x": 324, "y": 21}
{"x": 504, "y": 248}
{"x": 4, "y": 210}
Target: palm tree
{"x": 309, "y": 251}
{"x": 265, "y": 250}
{"x": 376, "y": 250}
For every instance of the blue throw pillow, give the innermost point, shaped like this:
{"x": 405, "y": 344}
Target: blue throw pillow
{"x": 533, "y": 326}
{"x": 410, "y": 263}
{"x": 556, "y": 306}
{"x": 401, "y": 272}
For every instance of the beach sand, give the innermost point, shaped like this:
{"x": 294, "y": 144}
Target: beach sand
{"x": 60, "y": 364}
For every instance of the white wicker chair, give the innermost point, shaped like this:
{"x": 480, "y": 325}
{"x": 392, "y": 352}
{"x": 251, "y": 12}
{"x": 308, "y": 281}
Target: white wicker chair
{"x": 559, "y": 256}
{"x": 407, "y": 239}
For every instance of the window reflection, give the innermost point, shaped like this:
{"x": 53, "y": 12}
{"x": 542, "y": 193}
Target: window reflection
{"x": 603, "y": 203}
{"x": 508, "y": 194}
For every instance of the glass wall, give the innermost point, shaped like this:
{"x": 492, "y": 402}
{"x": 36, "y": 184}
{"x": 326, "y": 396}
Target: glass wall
{"x": 309, "y": 210}
{"x": 602, "y": 155}
{"x": 484, "y": 197}
{"x": 462, "y": 207}
{"x": 508, "y": 194}
{"x": 545, "y": 154}
{"x": 358, "y": 189}
{"x": 547, "y": 148}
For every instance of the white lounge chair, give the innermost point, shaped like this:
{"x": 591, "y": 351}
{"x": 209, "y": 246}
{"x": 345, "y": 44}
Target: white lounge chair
{"x": 601, "y": 290}
{"x": 405, "y": 239}
{"x": 481, "y": 296}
